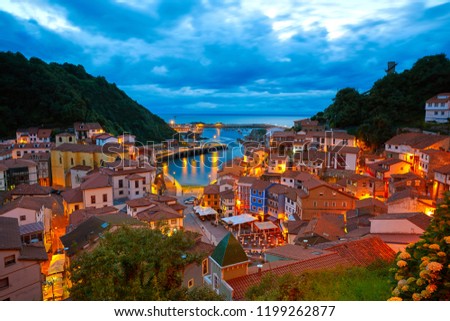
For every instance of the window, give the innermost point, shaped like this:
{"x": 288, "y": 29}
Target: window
{"x": 205, "y": 267}
{"x": 216, "y": 282}
{"x": 105, "y": 197}
{"x": 190, "y": 283}
{"x": 70, "y": 139}
{"x": 18, "y": 153}
{"x": 120, "y": 192}
{"x": 4, "y": 283}
{"x": 144, "y": 181}
{"x": 325, "y": 204}
{"x": 84, "y": 162}
{"x": 77, "y": 207}
{"x": 173, "y": 222}
{"x": 93, "y": 199}
{"x": 315, "y": 204}
{"x": 417, "y": 183}
{"x": 60, "y": 139}
{"x": 136, "y": 193}
{"x": 333, "y": 204}
{"x": 10, "y": 260}
{"x": 136, "y": 184}
{"x": 71, "y": 161}
{"x": 23, "y": 217}
{"x": 344, "y": 204}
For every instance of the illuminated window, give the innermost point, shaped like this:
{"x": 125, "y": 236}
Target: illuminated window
{"x": 205, "y": 267}
{"x": 93, "y": 199}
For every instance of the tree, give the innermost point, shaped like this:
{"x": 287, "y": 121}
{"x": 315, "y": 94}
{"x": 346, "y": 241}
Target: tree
{"x": 423, "y": 270}
{"x": 134, "y": 264}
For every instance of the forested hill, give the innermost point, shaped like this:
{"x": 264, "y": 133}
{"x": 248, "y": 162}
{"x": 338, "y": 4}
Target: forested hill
{"x": 34, "y": 93}
{"x": 396, "y": 100}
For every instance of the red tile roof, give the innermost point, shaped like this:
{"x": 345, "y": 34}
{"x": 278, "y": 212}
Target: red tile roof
{"x": 211, "y": 189}
{"x": 74, "y": 195}
{"x": 443, "y": 170}
{"x": 418, "y": 218}
{"x": 364, "y": 251}
{"x": 241, "y": 284}
{"x": 360, "y": 252}
{"x": 436, "y": 99}
{"x": 79, "y": 216}
{"x": 95, "y": 180}
{"x": 34, "y": 189}
{"x": 416, "y": 140}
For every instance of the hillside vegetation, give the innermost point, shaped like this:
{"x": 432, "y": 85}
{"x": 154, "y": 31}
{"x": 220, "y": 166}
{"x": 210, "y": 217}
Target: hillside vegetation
{"x": 396, "y": 100}
{"x": 34, "y": 93}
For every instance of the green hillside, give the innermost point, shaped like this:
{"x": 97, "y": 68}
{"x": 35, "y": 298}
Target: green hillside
{"x": 394, "y": 101}
{"x": 34, "y": 93}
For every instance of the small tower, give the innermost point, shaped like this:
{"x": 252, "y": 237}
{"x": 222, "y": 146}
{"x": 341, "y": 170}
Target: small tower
{"x": 391, "y": 67}
{"x": 228, "y": 261}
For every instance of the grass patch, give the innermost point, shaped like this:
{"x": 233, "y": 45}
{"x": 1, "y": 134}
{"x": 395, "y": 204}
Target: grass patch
{"x": 369, "y": 283}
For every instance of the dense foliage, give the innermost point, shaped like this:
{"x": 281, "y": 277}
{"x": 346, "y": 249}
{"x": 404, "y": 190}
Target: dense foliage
{"x": 136, "y": 264}
{"x": 423, "y": 269}
{"x": 340, "y": 284}
{"x": 398, "y": 99}
{"x": 34, "y": 93}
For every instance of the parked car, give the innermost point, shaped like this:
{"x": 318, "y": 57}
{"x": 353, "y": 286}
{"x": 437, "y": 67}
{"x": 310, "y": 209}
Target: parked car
{"x": 190, "y": 200}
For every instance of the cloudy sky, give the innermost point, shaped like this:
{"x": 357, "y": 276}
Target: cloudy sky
{"x": 229, "y": 56}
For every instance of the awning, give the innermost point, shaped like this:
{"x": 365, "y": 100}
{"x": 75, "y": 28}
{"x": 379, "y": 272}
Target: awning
{"x": 265, "y": 226}
{"x": 57, "y": 264}
{"x": 202, "y": 211}
{"x": 239, "y": 219}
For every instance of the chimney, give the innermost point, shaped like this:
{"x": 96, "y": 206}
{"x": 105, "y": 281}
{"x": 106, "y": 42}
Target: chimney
{"x": 305, "y": 244}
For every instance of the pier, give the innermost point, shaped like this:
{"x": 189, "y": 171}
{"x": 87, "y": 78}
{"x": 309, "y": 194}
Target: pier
{"x": 180, "y": 152}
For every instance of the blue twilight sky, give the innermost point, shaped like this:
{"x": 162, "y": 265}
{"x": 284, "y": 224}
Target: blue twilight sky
{"x": 229, "y": 56}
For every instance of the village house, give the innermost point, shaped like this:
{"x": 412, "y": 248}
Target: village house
{"x": 327, "y": 140}
{"x": 33, "y": 135}
{"x": 400, "y": 182}
{"x": 321, "y": 198}
{"x": 437, "y": 108}
{"x": 290, "y": 203}
{"x": 66, "y": 156}
{"x": 211, "y": 197}
{"x": 130, "y": 179}
{"x": 324, "y": 228}
{"x": 307, "y": 125}
{"x": 97, "y": 190}
{"x": 21, "y": 150}
{"x": 104, "y": 138}
{"x": 277, "y": 163}
{"x": 244, "y": 185}
{"x": 281, "y": 142}
{"x": 34, "y": 212}
{"x": 399, "y": 229}
{"x": 161, "y": 216}
{"x": 343, "y": 158}
{"x": 276, "y": 202}
{"x": 65, "y": 138}
{"x": 441, "y": 183}
{"x": 79, "y": 216}
{"x": 20, "y": 273}
{"x": 362, "y": 186}
{"x": 311, "y": 161}
{"x": 410, "y": 201}
{"x": 14, "y": 172}
{"x": 72, "y": 200}
{"x": 228, "y": 261}
{"x": 227, "y": 203}
{"x": 194, "y": 273}
{"x": 408, "y": 146}
{"x": 430, "y": 159}
{"x": 44, "y": 167}
{"x": 258, "y": 197}
{"x": 87, "y": 130}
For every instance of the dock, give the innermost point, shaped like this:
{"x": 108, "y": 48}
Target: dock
{"x": 180, "y": 152}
